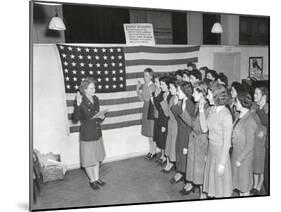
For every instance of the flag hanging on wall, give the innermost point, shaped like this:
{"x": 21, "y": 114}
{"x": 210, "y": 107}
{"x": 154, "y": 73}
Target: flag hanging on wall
{"x": 116, "y": 70}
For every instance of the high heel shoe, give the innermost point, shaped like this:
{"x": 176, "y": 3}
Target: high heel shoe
{"x": 161, "y": 162}
{"x": 173, "y": 180}
{"x": 100, "y": 182}
{"x": 187, "y": 192}
{"x": 94, "y": 185}
{"x": 254, "y": 191}
{"x": 150, "y": 156}
{"x": 167, "y": 170}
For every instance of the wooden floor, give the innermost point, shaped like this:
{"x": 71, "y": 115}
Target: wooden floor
{"x": 129, "y": 181}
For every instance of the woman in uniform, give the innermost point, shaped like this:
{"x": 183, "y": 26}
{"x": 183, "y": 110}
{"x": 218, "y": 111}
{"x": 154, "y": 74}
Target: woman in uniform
{"x": 92, "y": 150}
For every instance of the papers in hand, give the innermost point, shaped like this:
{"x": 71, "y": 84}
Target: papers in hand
{"x": 100, "y": 114}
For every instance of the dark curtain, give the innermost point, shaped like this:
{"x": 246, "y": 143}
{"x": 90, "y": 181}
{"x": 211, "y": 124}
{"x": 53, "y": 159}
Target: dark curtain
{"x": 92, "y": 24}
{"x": 179, "y": 28}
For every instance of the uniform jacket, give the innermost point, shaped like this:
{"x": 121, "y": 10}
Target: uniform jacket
{"x": 90, "y": 129}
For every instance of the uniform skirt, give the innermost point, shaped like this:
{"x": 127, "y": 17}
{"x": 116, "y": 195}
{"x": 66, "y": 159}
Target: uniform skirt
{"x": 215, "y": 185}
{"x": 146, "y": 125}
{"x": 91, "y": 152}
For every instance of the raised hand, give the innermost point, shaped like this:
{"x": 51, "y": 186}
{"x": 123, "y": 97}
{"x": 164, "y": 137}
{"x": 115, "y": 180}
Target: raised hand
{"x": 176, "y": 100}
{"x": 202, "y": 102}
{"x": 165, "y": 96}
{"x": 78, "y": 98}
{"x": 138, "y": 86}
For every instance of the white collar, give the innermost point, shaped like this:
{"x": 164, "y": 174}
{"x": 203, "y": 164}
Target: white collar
{"x": 219, "y": 108}
{"x": 150, "y": 82}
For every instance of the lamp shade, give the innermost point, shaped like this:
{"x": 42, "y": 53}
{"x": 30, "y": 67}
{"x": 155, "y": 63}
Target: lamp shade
{"x": 217, "y": 28}
{"x": 56, "y": 23}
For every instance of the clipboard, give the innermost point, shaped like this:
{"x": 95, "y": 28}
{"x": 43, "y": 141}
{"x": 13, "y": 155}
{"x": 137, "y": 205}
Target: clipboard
{"x": 100, "y": 113}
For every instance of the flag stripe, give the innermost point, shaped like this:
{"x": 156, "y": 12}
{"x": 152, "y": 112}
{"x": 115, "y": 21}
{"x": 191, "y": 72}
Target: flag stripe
{"x": 157, "y": 56}
{"x": 155, "y": 68}
{"x": 161, "y": 62}
{"x": 74, "y": 129}
{"x": 118, "y": 113}
{"x": 160, "y": 50}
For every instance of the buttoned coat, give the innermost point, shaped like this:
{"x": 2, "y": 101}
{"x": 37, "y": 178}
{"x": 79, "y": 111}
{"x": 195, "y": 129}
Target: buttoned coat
{"x": 243, "y": 138}
{"x": 90, "y": 129}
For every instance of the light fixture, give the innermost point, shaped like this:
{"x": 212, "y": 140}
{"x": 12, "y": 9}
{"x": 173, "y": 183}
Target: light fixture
{"x": 56, "y": 23}
{"x": 217, "y": 28}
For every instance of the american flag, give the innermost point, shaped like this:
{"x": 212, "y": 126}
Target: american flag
{"x": 117, "y": 70}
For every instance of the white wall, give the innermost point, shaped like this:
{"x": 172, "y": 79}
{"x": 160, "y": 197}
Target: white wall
{"x": 50, "y": 133}
{"x": 206, "y": 56}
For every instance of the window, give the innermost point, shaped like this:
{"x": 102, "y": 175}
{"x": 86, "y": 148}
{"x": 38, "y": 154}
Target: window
{"x": 253, "y": 30}
{"x": 92, "y": 24}
{"x": 208, "y": 21}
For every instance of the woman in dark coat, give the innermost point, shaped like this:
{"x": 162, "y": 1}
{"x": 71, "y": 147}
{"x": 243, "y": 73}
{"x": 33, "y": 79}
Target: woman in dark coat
{"x": 243, "y": 137}
{"x": 198, "y": 146}
{"x": 184, "y": 96}
{"x": 92, "y": 150}
{"x": 260, "y": 95}
{"x": 170, "y": 149}
{"x": 161, "y": 122}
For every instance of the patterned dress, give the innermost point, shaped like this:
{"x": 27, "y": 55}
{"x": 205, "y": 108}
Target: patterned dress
{"x": 220, "y": 128}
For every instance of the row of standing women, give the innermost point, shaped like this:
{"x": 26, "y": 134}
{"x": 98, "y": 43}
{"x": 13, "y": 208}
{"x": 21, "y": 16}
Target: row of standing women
{"x": 214, "y": 143}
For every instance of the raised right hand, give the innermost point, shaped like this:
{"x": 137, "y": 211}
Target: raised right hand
{"x": 138, "y": 86}
{"x": 78, "y": 98}
{"x": 201, "y": 104}
{"x": 176, "y": 100}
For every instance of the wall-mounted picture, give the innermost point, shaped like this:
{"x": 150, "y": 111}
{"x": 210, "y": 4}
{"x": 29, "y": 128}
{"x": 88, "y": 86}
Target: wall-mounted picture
{"x": 136, "y": 106}
{"x": 256, "y": 67}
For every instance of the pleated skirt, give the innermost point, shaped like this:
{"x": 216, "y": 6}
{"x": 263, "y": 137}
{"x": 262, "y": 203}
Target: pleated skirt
{"x": 91, "y": 152}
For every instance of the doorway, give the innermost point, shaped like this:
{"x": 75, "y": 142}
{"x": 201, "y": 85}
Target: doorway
{"x": 229, "y": 64}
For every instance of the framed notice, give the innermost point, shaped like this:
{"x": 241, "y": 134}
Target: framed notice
{"x": 139, "y": 34}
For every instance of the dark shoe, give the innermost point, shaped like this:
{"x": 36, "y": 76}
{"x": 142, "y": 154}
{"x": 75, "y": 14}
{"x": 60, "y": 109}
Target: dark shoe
{"x": 254, "y": 191}
{"x": 157, "y": 160}
{"x": 147, "y": 157}
{"x": 161, "y": 162}
{"x": 187, "y": 192}
{"x": 173, "y": 180}
{"x": 94, "y": 185}
{"x": 100, "y": 182}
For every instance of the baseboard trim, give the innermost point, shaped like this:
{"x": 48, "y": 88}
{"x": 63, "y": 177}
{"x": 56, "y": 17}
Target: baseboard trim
{"x": 111, "y": 159}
